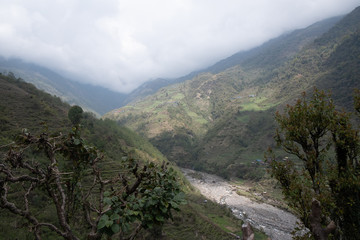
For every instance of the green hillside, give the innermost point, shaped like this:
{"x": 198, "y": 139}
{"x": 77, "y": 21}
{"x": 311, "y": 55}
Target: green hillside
{"x": 222, "y": 120}
{"x": 275, "y": 51}
{"x": 92, "y": 98}
{"x": 23, "y": 106}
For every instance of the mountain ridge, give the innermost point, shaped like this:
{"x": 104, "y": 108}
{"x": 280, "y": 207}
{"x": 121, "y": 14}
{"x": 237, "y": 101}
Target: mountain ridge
{"x": 100, "y": 100}
{"x": 315, "y": 29}
{"x": 217, "y": 122}
{"x": 92, "y": 98}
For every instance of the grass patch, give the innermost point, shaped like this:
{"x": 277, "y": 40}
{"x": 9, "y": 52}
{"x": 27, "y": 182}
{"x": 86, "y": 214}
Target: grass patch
{"x": 197, "y": 118}
{"x": 249, "y": 156}
{"x": 178, "y": 96}
{"x": 243, "y": 118}
{"x": 257, "y": 104}
{"x": 250, "y": 106}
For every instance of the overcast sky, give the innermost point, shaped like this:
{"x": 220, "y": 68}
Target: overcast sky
{"x": 120, "y": 44}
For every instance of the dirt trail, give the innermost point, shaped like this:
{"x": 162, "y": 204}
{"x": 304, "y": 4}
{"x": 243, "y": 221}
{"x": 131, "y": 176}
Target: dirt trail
{"x": 275, "y": 222}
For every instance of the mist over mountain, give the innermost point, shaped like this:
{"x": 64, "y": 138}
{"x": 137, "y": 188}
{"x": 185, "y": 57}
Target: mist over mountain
{"x": 93, "y": 98}
{"x": 221, "y": 119}
{"x": 224, "y": 111}
{"x": 121, "y": 44}
{"x": 276, "y": 51}
{"x": 101, "y": 100}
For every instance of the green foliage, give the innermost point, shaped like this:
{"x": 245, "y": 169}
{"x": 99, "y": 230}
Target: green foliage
{"x": 75, "y": 114}
{"x": 57, "y": 175}
{"x": 68, "y": 172}
{"x": 150, "y": 205}
{"x": 322, "y": 187}
{"x": 305, "y": 124}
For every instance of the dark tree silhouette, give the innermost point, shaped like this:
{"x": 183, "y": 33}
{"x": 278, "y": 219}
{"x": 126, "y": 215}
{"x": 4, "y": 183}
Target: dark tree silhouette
{"x": 324, "y": 189}
{"x": 75, "y": 114}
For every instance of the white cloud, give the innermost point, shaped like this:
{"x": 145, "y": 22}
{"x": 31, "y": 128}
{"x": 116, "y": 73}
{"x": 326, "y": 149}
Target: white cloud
{"x": 120, "y": 44}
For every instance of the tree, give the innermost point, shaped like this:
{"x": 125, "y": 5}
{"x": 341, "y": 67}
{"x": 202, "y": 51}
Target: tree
{"x": 324, "y": 187}
{"x": 75, "y": 114}
{"x": 90, "y": 200}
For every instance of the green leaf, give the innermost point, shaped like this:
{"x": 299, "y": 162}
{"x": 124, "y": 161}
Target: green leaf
{"x": 115, "y": 228}
{"x": 136, "y": 213}
{"x": 114, "y": 216}
{"x": 104, "y": 217}
{"x": 101, "y": 224}
{"x": 163, "y": 209}
{"x": 77, "y": 141}
{"x": 109, "y": 223}
{"x": 174, "y": 205}
{"x": 136, "y": 206}
{"x": 159, "y": 218}
{"x": 125, "y": 227}
{"x": 107, "y": 201}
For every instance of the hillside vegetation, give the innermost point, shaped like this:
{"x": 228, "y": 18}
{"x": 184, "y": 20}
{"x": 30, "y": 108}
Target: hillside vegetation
{"x": 92, "y": 98}
{"x": 221, "y": 120}
{"x": 23, "y": 106}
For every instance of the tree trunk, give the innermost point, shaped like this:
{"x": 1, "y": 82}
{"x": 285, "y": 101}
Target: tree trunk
{"x": 317, "y": 230}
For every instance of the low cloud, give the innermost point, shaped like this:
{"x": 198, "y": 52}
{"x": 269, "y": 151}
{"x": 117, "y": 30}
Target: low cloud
{"x": 121, "y": 44}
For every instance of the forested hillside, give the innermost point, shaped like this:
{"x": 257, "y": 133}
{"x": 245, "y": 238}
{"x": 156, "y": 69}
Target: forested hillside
{"x": 222, "y": 120}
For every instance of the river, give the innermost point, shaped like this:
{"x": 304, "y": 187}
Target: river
{"x": 274, "y": 222}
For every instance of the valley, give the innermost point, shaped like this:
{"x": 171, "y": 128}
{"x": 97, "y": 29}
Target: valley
{"x": 214, "y": 129}
{"x": 222, "y": 118}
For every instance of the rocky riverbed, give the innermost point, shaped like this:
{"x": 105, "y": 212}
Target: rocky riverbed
{"x": 275, "y": 222}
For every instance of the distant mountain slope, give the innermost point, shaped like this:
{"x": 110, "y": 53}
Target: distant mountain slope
{"x": 275, "y": 51}
{"x": 92, "y": 98}
{"x": 344, "y": 70}
{"x": 278, "y": 50}
{"x": 219, "y": 120}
